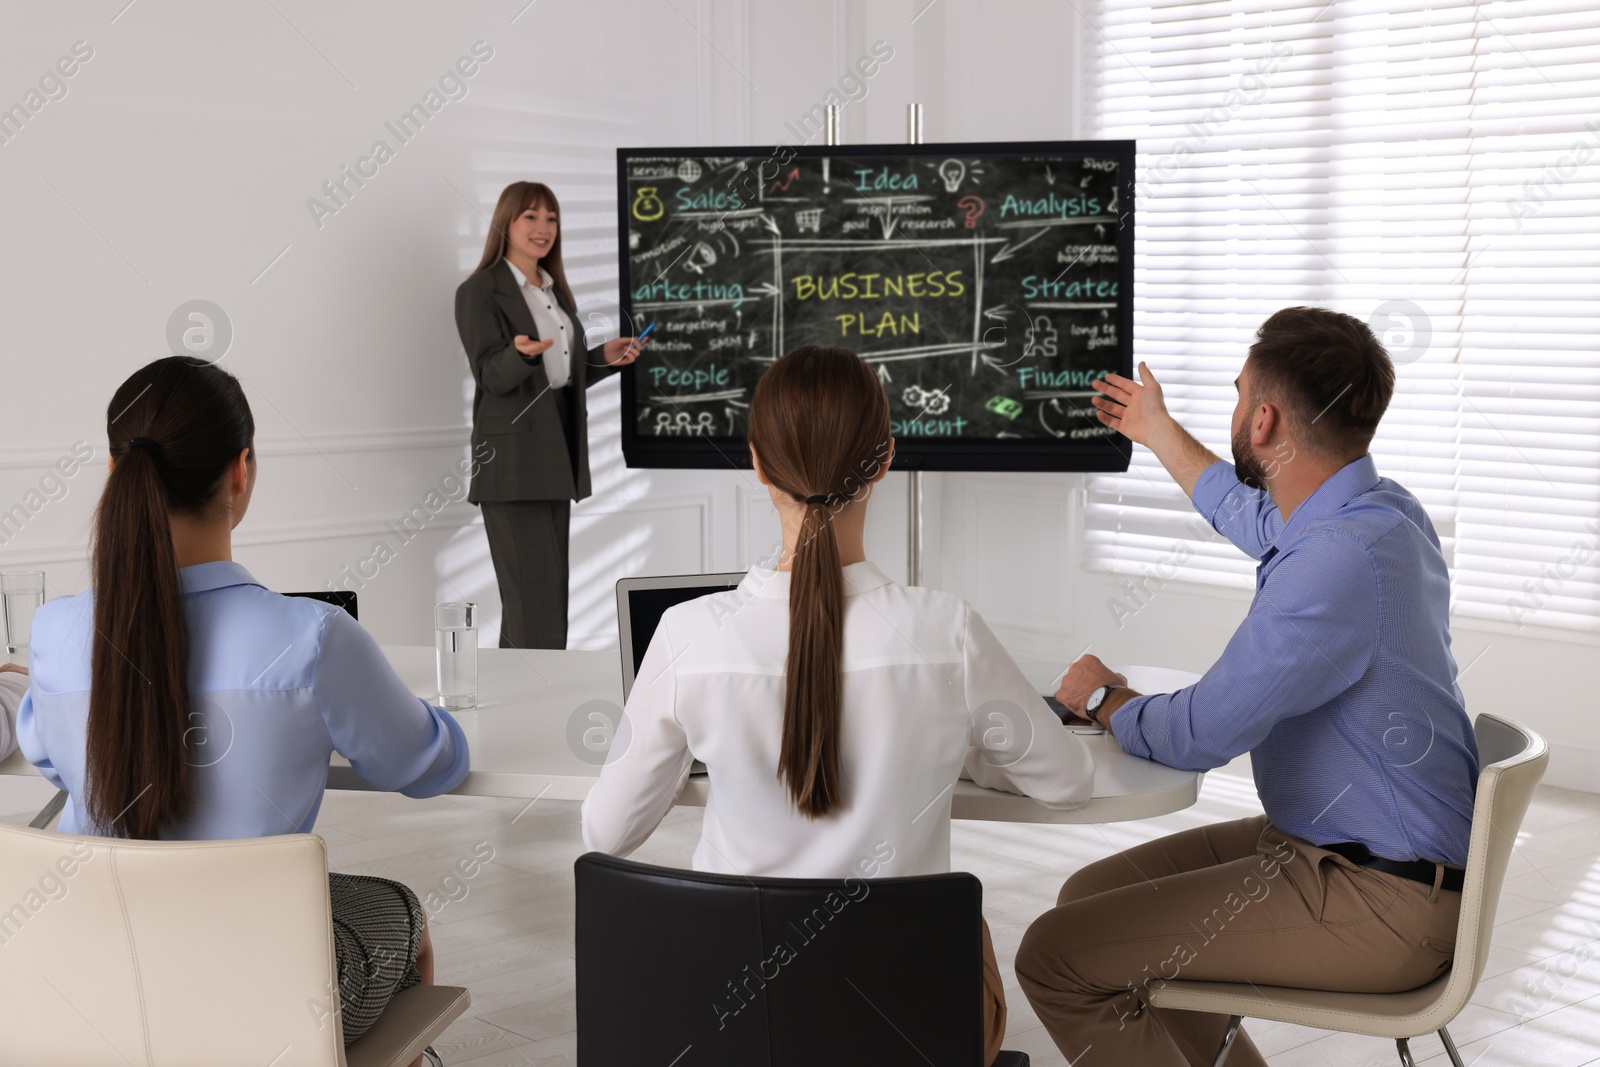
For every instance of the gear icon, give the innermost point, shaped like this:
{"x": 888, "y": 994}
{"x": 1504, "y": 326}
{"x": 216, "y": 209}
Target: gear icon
{"x": 928, "y": 401}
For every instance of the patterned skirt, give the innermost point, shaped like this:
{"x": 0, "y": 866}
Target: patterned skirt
{"x": 377, "y": 926}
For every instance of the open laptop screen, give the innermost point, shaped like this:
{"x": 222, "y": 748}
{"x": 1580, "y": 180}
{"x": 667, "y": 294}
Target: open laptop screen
{"x": 343, "y": 598}
{"x": 642, "y": 601}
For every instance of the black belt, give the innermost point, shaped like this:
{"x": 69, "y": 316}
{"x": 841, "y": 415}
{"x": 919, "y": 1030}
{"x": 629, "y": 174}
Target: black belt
{"x": 1423, "y": 871}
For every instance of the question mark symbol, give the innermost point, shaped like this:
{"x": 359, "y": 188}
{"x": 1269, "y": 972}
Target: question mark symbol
{"x": 973, "y": 205}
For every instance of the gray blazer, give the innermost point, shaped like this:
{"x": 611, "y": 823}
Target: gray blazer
{"x": 514, "y": 409}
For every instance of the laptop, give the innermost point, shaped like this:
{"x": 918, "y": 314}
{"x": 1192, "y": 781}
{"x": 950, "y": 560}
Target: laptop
{"x": 642, "y": 601}
{"x": 640, "y": 604}
{"x": 341, "y": 598}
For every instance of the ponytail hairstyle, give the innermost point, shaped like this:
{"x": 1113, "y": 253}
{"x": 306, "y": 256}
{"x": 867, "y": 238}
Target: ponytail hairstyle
{"x": 175, "y": 427}
{"x": 819, "y": 425}
{"x": 514, "y": 200}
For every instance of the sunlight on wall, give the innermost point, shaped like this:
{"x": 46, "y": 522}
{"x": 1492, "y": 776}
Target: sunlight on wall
{"x": 465, "y": 573}
{"x": 592, "y": 599}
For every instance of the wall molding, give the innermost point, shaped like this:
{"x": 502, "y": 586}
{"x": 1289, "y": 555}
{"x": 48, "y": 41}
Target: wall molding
{"x": 1001, "y": 501}
{"x": 267, "y": 534}
{"x": 703, "y": 504}
{"x": 746, "y": 552}
{"x": 344, "y": 442}
{"x": 1573, "y": 764}
{"x": 39, "y": 460}
{"x": 340, "y": 442}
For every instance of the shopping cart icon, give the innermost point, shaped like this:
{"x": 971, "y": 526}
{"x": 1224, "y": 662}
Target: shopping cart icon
{"x": 809, "y": 219}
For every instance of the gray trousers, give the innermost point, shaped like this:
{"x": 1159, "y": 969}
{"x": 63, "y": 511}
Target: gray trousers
{"x": 528, "y": 545}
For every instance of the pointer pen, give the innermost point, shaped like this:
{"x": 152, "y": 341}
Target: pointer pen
{"x": 642, "y": 336}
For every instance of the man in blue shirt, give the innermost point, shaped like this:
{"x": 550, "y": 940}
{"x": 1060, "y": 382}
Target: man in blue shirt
{"x": 1341, "y": 686}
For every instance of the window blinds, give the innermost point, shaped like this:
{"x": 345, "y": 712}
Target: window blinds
{"x": 1431, "y": 168}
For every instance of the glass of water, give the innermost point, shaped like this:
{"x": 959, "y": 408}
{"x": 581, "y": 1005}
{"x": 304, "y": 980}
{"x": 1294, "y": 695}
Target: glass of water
{"x": 21, "y": 594}
{"x": 455, "y": 634}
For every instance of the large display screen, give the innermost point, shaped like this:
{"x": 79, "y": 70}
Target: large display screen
{"x": 988, "y": 284}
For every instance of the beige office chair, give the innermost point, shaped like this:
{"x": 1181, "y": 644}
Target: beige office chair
{"x": 178, "y": 953}
{"x": 1512, "y": 759}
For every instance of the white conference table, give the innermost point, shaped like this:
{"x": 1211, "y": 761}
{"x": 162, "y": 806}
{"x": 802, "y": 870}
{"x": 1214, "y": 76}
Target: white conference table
{"x": 536, "y": 706}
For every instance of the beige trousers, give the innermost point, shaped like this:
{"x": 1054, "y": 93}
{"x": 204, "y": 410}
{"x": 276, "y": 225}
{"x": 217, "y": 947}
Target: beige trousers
{"x": 1234, "y": 902}
{"x": 994, "y": 1001}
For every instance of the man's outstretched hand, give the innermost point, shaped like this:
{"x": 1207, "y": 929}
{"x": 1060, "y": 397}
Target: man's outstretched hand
{"x": 1138, "y": 412}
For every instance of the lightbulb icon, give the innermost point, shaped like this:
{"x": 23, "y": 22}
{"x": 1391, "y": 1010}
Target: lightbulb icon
{"x": 952, "y": 171}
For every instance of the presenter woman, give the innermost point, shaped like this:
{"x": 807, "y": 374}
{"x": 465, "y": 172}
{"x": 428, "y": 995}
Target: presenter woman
{"x": 518, "y": 323}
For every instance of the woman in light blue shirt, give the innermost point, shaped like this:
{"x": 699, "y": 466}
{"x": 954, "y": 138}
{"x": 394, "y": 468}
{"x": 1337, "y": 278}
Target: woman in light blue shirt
{"x": 183, "y": 700}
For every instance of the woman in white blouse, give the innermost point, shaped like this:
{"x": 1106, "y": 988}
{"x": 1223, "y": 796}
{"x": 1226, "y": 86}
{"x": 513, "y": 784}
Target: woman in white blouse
{"x": 833, "y": 708}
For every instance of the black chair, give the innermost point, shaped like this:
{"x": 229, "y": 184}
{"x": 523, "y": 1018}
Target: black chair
{"x": 683, "y": 969}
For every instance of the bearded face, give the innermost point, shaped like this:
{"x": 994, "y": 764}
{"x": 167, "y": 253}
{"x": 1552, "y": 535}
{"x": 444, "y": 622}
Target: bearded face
{"x": 1247, "y": 466}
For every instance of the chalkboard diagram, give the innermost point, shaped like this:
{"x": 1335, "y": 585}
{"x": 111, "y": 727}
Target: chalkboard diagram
{"x": 988, "y": 285}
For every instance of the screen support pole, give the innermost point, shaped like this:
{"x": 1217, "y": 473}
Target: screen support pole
{"x": 914, "y": 486}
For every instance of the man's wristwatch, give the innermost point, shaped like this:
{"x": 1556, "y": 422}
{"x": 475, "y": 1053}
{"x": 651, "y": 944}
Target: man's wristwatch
{"x": 1097, "y": 698}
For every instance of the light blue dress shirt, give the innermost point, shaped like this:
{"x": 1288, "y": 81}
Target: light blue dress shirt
{"x": 1340, "y": 682}
{"x": 277, "y": 684}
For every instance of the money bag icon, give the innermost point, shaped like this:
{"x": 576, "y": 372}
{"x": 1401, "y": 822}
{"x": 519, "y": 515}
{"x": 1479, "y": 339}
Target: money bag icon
{"x": 647, "y": 206}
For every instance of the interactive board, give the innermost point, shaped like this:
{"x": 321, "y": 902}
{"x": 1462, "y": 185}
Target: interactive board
{"x": 988, "y": 284}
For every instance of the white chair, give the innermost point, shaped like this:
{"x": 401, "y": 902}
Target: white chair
{"x": 179, "y": 953}
{"x": 1512, "y": 759}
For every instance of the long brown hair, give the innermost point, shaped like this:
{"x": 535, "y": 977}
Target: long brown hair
{"x": 819, "y": 425}
{"x": 517, "y": 198}
{"x": 175, "y": 427}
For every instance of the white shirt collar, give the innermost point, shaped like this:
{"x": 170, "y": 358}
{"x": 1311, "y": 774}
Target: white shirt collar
{"x": 767, "y": 582}
{"x": 545, "y": 281}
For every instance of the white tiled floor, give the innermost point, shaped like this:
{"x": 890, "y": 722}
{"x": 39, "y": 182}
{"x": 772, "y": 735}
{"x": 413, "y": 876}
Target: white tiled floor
{"x": 507, "y": 933}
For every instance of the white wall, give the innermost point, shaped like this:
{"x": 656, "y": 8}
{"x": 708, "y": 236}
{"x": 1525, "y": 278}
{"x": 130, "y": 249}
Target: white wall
{"x": 179, "y": 165}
